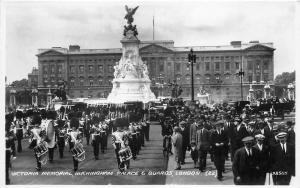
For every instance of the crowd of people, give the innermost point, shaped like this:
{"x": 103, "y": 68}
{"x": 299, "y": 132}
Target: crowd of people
{"x": 255, "y": 144}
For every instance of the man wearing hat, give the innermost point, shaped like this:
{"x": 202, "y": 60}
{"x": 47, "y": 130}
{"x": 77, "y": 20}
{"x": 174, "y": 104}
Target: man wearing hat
{"x": 61, "y": 137}
{"x": 177, "y": 143}
{"x": 290, "y": 132}
{"x": 245, "y": 163}
{"x": 240, "y": 132}
{"x": 36, "y": 121}
{"x": 184, "y": 130}
{"x": 263, "y": 158}
{"x": 219, "y": 141}
{"x": 282, "y": 160}
{"x": 19, "y": 123}
{"x": 119, "y": 138}
{"x": 75, "y": 138}
{"x": 203, "y": 145}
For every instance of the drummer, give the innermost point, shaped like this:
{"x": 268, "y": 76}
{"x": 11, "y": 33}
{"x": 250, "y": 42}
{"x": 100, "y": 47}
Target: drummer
{"x": 36, "y": 122}
{"x": 75, "y": 138}
{"x": 119, "y": 137}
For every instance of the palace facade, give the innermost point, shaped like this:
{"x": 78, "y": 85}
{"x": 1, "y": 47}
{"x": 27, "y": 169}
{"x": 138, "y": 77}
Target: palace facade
{"x": 87, "y": 73}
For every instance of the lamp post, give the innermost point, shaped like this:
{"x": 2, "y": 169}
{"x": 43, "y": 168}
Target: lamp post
{"x": 192, "y": 60}
{"x": 160, "y": 84}
{"x": 241, "y": 74}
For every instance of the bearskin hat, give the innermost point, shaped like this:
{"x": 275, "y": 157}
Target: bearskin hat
{"x": 71, "y": 115}
{"x": 95, "y": 120}
{"x": 43, "y": 114}
{"x": 19, "y": 115}
{"x": 9, "y": 117}
{"x": 79, "y": 114}
{"x": 121, "y": 122}
{"x": 51, "y": 114}
{"x": 29, "y": 113}
{"x": 74, "y": 122}
{"x": 36, "y": 120}
{"x": 60, "y": 123}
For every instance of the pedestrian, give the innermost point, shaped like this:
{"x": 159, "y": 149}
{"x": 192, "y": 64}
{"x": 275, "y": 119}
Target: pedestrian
{"x": 219, "y": 140}
{"x": 245, "y": 163}
{"x": 194, "y": 153}
{"x": 177, "y": 143}
{"x": 282, "y": 160}
{"x": 185, "y": 139}
{"x": 263, "y": 158}
{"x": 203, "y": 145}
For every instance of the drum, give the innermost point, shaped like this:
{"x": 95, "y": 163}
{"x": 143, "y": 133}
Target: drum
{"x": 40, "y": 149}
{"x": 125, "y": 154}
{"x": 78, "y": 152}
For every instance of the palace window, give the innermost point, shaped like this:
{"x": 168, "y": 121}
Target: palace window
{"x": 81, "y": 69}
{"x": 72, "y": 81}
{"x": 207, "y": 66}
{"x": 81, "y": 81}
{"x": 237, "y": 65}
{"x": 161, "y": 66}
{"x": 52, "y": 69}
{"x": 100, "y": 68}
{"x": 110, "y": 68}
{"x": 45, "y": 70}
{"x": 178, "y": 67}
{"x": 91, "y": 68}
{"x": 59, "y": 69}
{"x": 250, "y": 79}
{"x": 72, "y": 69}
{"x": 197, "y": 66}
{"x": 227, "y": 66}
{"x": 217, "y": 66}
{"x": 100, "y": 81}
{"x": 91, "y": 81}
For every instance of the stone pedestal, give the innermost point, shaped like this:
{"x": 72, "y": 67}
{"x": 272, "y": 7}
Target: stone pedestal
{"x": 267, "y": 90}
{"x": 131, "y": 81}
{"x": 49, "y": 98}
{"x": 12, "y": 97}
{"x": 34, "y": 97}
{"x": 251, "y": 97}
{"x": 291, "y": 91}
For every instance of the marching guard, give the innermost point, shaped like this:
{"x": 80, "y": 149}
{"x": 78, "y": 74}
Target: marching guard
{"x": 37, "y": 140}
{"x": 50, "y": 133}
{"x": 75, "y": 144}
{"x": 61, "y": 137}
{"x": 19, "y": 123}
{"x": 95, "y": 132}
{"x": 103, "y": 135}
{"x": 120, "y": 142}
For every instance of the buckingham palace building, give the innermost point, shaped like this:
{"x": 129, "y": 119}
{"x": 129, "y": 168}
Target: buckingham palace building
{"x": 87, "y": 73}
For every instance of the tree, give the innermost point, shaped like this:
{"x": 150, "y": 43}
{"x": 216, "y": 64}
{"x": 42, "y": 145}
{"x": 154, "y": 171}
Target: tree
{"x": 285, "y": 78}
{"x": 20, "y": 83}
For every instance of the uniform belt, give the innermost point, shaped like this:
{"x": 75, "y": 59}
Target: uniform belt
{"x": 19, "y": 128}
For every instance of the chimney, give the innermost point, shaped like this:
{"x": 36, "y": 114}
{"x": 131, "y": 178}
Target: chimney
{"x": 236, "y": 43}
{"x": 74, "y": 48}
{"x": 254, "y": 42}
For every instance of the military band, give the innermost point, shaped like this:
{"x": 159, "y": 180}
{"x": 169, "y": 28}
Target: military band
{"x": 258, "y": 147}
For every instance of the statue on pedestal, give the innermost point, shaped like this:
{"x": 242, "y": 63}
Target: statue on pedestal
{"x": 130, "y": 30}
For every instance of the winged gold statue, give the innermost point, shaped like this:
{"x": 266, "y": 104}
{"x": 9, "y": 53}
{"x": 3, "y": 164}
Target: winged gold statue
{"x": 130, "y": 13}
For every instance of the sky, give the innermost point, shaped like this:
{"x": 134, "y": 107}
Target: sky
{"x": 31, "y": 25}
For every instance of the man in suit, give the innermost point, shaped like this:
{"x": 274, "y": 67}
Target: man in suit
{"x": 177, "y": 143}
{"x": 219, "y": 140}
{"x": 245, "y": 163}
{"x": 203, "y": 145}
{"x": 282, "y": 160}
{"x": 240, "y": 132}
{"x": 263, "y": 158}
{"x": 232, "y": 136}
{"x": 185, "y": 139}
